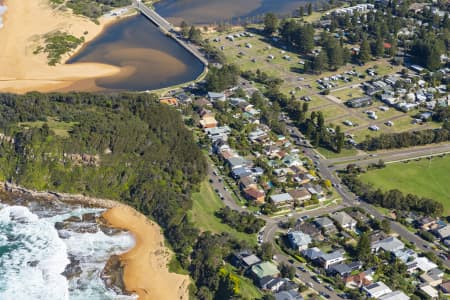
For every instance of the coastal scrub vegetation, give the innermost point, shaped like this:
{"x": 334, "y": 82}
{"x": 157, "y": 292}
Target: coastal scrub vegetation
{"x": 243, "y": 222}
{"x": 94, "y": 9}
{"x": 57, "y": 44}
{"x": 126, "y": 147}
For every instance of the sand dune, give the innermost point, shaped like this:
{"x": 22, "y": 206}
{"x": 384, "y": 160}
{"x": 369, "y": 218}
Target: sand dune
{"x": 21, "y": 70}
{"x": 146, "y": 272}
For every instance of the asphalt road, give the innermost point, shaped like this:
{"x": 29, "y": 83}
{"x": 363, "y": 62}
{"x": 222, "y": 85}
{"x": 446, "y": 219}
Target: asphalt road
{"x": 389, "y": 156}
{"x": 349, "y": 199}
{"x": 219, "y": 188}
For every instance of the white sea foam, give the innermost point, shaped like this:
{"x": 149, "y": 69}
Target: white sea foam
{"x": 3, "y": 9}
{"x": 96, "y": 250}
{"x": 33, "y": 257}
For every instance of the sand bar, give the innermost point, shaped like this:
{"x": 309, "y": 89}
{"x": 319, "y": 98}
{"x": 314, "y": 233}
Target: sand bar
{"x": 145, "y": 266}
{"x": 25, "y": 21}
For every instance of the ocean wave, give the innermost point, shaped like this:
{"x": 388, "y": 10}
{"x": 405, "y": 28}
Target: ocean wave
{"x": 33, "y": 256}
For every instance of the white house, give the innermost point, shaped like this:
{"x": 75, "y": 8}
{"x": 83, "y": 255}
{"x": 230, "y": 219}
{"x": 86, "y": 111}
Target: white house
{"x": 390, "y": 244}
{"x": 328, "y": 259}
{"x": 343, "y": 219}
{"x": 396, "y": 295}
{"x": 377, "y": 289}
{"x": 299, "y": 240}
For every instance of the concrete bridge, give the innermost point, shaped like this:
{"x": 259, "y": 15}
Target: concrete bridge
{"x": 168, "y": 29}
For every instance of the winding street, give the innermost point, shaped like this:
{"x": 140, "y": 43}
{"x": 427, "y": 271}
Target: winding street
{"x": 272, "y": 229}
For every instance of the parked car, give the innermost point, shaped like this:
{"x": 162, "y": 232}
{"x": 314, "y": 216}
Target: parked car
{"x": 317, "y": 279}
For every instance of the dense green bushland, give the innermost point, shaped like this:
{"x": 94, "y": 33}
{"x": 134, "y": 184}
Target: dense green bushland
{"x": 128, "y": 146}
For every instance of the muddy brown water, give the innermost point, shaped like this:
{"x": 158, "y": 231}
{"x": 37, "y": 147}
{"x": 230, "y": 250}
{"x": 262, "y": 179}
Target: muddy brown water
{"x": 216, "y": 11}
{"x": 150, "y": 60}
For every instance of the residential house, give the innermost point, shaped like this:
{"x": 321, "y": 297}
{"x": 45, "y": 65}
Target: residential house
{"x": 202, "y": 102}
{"x": 420, "y": 263}
{"x": 299, "y": 170}
{"x": 377, "y": 236}
{"x": 213, "y": 97}
{"x": 292, "y": 160}
{"x": 237, "y": 162}
{"x": 304, "y": 178}
{"x": 246, "y": 182}
{"x": 360, "y": 8}
{"x": 316, "y": 191}
{"x": 217, "y": 133}
{"x": 430, "y": 291}
{"x": 325, "y": 224}
{"x": 299, "y": 240}
{"x": 288, "y": 295}
{"x": 355, "y": 265}
{"x": 244, "y": 259}
{"x": 257, "y": 171}
{"x": 264, "y": 269}
{"x": 389, "y": 244}
{"x": 359, "y": 216}
{"x": 443, "y": 232}
{"x": 240, "y": 172}
{"x": 281, "y": 200}
{"x": 328, "y": 259}
{"x": 376, "y": 290}
{"x": 310, "y": 229}
{"x": 300, "y": 195}
{"x": 208, "y": 121}
{"x": 237, "y": 101}
{"x": 271, "y": 151}
{"x": 359, "y": 280}
{"x": 342, "y": 270}
{"x": 282, "y": 172}
{"x": 433, "y": 277}
{"x": 184, "y": 98}
{"x": 257, "y": 136}
{"x": 445, "y": 287}
{"x": 405, "y": 255}
{"x": 272, "y": 284}
{"x": 253, "y": 194}
{"x": 219, "y": 146}
{"x": 395, "y": 295}
{"x": 359, "y": 102}
{"x": 427, "y": 223}
{"x": 312, "y": 253}
{"x": 343, "y": 219}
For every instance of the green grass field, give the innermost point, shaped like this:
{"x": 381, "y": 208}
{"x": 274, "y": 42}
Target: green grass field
{"x": 59, "y": 128}
{"x": 330, "y": 154}
{"x": 348, "y": 93}
{"x": 423, "y": 178}
{"x": 206, "y": 203}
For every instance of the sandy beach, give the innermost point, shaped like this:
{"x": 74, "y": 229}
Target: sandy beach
{"x": 24, "y": 23}
{"x": 145, "y": 266}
